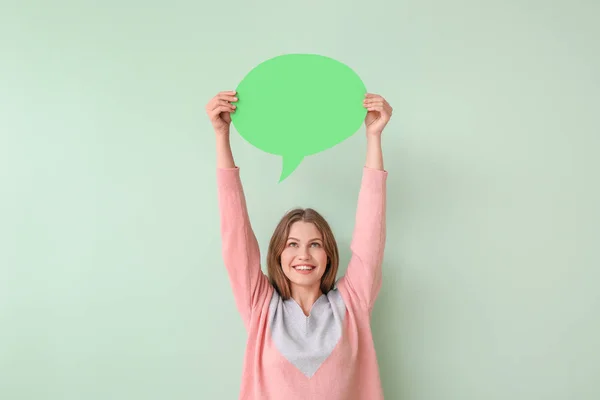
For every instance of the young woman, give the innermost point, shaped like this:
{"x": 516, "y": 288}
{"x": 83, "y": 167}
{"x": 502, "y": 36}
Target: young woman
{"x": 308, "y": 338}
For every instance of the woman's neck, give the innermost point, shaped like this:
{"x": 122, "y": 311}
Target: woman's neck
{"x": 305, "y": 297}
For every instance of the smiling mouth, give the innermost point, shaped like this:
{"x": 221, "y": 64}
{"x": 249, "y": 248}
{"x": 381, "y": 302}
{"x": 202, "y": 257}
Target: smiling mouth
{"x": 304, "y": 267}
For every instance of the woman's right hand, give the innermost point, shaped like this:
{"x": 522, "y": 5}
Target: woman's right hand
{"x": 218, "y": 110}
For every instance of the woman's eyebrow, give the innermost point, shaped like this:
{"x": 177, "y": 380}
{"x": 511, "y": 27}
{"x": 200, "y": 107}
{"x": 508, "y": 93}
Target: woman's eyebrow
{"x": 311, "y": 240}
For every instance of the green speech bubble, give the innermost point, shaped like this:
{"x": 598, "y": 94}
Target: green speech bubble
{"x": 297, "y": 105}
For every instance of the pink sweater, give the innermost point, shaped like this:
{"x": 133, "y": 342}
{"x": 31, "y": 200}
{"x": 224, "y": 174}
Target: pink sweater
{"x": 330, "y": 354}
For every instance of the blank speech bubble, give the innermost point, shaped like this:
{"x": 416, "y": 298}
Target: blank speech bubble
{"x": 296, "y": 105}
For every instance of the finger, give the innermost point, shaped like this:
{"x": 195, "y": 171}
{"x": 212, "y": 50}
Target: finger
{"x": 217, "y": 115}
{"x": 221, "y": 109}
{"x": 379, "y": 108}
{"x": 216, "y": 101}
{"x": 220, "y": 102}
{"x": 227, "y": 96}
{"x": 374, "y": 103}
{"x": 372, "y": 96}
{"x": 211, "y": 108}
{"x": 385, "y": 104}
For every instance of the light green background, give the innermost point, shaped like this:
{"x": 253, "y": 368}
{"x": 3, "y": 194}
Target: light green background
{"x": 111, "y": 280}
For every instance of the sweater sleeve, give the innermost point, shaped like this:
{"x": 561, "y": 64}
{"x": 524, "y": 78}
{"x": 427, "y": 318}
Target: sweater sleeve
{"x": 240, "y": 250}
{"x": 363, "y": 275}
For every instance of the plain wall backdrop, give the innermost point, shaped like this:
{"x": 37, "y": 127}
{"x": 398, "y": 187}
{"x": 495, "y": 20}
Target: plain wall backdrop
{"x": 111, "y": 279}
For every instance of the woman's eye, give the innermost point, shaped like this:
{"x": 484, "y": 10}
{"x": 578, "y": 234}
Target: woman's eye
{"x": 316, "y": 244}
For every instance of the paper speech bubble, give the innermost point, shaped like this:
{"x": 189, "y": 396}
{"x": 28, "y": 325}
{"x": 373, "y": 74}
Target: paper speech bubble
{"x": 296, "y": 105}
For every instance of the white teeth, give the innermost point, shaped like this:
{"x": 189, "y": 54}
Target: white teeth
{"x": 304, "y": 267}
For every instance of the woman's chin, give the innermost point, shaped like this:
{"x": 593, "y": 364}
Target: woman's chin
{"x": 306, "y": 280}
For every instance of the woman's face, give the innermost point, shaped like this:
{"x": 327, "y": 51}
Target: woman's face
{"x": 304, "y": 259}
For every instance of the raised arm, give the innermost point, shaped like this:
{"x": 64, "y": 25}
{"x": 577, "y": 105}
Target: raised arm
{"x": 240, "y": 250}
{"x": 364, "y": 274}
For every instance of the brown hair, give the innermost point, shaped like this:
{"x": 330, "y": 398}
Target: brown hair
{"x": 277, "y": 245}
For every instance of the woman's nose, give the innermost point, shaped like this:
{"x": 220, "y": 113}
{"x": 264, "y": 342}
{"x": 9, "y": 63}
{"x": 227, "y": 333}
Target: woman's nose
{"x": 304, "y": 253}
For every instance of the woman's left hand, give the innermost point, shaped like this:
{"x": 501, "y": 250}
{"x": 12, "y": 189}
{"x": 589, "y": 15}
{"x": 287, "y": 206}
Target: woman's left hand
{"x": 379, "y": 113}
